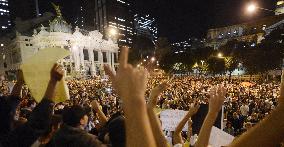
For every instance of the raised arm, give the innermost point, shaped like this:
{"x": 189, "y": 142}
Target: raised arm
{"x": 177, "y": 138}
{"x": 41, "y": 115}
{"x": 217, "y": 96}
{"x": 130, "y": 83}
{"x": 268, "y": 132}
{"x": 102, "y": 118}
{"x": 56, "y": 74}
{"x": 154, "y": 120}
{"x": 189, "y": 131}
{"x": 17, "y": 89}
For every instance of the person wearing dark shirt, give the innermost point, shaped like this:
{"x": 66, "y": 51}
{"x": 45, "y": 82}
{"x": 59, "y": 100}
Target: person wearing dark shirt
{"x": 72, "y": 133}
{"x": 38, "y": 123}
{"x": 8, "y": 106}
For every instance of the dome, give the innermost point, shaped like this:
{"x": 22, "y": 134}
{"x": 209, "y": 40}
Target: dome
{"x": 58, "y": 24}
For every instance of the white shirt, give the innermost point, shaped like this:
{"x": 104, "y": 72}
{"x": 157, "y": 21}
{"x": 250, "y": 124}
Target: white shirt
{"x": 244, "y": 110}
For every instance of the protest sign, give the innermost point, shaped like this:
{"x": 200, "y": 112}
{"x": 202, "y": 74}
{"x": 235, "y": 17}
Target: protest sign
{"x": 36, "y": 71}
{"x": 219, "y": 138}
{"x": 171, "y": 118}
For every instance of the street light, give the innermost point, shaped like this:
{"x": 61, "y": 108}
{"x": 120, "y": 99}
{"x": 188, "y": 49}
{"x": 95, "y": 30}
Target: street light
{"x": 252, "y": 7}
{"x": 153, "y": 59}
{"x": 112, "y": 31}
{"x": 220, "y": 55}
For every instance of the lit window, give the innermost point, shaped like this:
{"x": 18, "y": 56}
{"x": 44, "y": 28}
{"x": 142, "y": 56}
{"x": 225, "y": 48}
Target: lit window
{"x": 121, "y": 1}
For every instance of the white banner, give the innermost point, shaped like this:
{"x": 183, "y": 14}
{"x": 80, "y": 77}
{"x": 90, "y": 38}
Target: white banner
{"x": 219, "y": 138}
{"x": 171, "y": 118}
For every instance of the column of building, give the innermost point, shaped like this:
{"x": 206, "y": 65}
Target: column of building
{"x": 101, "y": 61}
{"x": 91, "y": 59}
{"x": 76, "y": 59}
{"x": 112, "y": 60}
{"x": 81, "y": 58}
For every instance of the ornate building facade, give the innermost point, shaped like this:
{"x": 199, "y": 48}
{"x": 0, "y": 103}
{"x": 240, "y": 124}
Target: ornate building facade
{"x": 89, "y": 51}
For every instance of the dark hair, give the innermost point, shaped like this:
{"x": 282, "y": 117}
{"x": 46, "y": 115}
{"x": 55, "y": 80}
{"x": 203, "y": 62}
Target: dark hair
{"x": 55, "y": 121}
{"x": 72, "y": 115}
{"x": 117, "y": 133}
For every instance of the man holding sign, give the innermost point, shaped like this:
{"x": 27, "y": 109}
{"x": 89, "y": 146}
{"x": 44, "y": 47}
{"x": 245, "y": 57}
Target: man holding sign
{"x": 40, "y": 118}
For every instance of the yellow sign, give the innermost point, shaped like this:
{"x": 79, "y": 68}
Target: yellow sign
{"x": 36, "y": 70}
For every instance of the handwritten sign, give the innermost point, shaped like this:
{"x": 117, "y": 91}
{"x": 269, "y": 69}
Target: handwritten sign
{"x": 171, "y": 118}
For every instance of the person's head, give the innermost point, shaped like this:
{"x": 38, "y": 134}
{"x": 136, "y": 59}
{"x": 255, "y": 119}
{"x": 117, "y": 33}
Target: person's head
{"x": 248, "y": 125}
{"x": 117, "y": 134}
{"x": 75, "y": 116}
{"x": 235, "y": 114}
{"x": 229, "y": 124}
{"x": 54, "y": 125}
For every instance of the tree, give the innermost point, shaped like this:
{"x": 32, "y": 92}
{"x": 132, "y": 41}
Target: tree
{"x": 202, "y": 53}
{"x": 162, "y": 48}
{"x": 267, "y": 55}
{"x": 216, "y": 65}
{"x": 142, "y": 46}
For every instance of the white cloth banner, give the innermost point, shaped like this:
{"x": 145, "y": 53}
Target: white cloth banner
{"x": 219, "y": 138}
{"x": 171, "y": 118}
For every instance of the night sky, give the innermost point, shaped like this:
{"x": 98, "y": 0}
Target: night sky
{"x": 180, "y": 19}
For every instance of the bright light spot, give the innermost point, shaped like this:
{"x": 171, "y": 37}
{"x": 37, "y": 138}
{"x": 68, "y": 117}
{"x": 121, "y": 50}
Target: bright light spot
{"x": 2, "y": 44}
{"x": 153, "y": 59}
{"x": 112, "y": 32}
{"x": 220, "y": 55}
{"x": 144, "y": 60}
{"x": 251, "y": 8}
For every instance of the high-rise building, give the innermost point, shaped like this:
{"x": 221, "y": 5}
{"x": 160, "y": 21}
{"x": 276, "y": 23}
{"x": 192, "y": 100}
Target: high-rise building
{"x": 78, "y": 12}
{"x": 5, "y": 22}
{"x": 146, "y": 26}
{"x": 23, "y": 9}
{"x": 115, "y": 14}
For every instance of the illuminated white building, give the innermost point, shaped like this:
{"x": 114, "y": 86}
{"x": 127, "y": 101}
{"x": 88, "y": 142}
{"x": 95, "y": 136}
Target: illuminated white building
{"x": 146, "y": 26}
{"x": 89, "y": 52}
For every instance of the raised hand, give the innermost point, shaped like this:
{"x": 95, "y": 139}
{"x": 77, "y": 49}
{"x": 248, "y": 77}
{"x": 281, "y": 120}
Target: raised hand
{"x": 217, "y": 97}
{"x": 193, "y": 110}
{"x": 17, "y": 89}
{"x": 129, "y": 82}
{"x": 95, "y": 105}
{"x": 20, "y": 77}
{"x": 102, "y": 118}
{"x": 156, "y": 92}
{"x": 57, "y": 72}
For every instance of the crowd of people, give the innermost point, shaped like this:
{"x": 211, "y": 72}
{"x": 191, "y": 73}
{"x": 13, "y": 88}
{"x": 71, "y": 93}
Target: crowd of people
{"x": 112, "y": 112}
